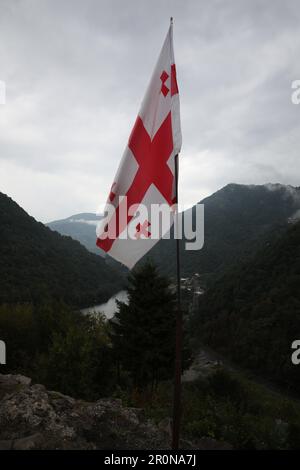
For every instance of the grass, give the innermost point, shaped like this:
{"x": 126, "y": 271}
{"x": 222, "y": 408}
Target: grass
{"x": 228, "y": 407}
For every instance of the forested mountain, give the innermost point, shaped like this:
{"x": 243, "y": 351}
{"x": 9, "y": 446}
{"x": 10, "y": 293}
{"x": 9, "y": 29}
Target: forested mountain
{"x": 252, "y": 313}
{"x": 36, "y": 262}
{"x": 237, "y": 217}
{"x": 81, "y": 227}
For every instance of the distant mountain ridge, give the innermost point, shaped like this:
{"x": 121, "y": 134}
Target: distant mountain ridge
{"x": 81, "y": 227}
{"x": 237, "y": 218}
{"x": 37, "y": 262}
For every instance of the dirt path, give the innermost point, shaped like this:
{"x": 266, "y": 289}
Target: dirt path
{"x": 207, "y": 359}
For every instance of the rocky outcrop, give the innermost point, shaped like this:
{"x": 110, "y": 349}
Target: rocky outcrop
{"x": 32, "y": 417}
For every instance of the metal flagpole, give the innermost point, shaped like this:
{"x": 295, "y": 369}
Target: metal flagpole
{"x": 178, "y": 343}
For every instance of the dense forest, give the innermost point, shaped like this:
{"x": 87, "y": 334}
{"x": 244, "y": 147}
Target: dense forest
{"x": 87, "y": 358}
{"x": 252, "y": 313}
{"x": 80, "y": 227}
{"x": 36, "y": 262}
{"x": 237, "y": 218}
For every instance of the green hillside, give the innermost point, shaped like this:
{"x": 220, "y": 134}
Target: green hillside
{"x": 252, "y": 313}
{"x": 236, "y": 218}
{"x": 36, "y": 262}
{"x": 81, "y": 227}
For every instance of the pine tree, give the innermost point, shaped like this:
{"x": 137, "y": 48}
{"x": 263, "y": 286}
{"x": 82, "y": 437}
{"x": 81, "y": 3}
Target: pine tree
{"x": 143, "y": 330}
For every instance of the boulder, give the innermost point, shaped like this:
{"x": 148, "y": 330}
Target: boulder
{"x": 32, "y": 417}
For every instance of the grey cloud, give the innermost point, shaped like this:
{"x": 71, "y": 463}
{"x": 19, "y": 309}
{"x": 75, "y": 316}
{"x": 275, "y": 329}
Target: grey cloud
{"x": 76, "y": 72}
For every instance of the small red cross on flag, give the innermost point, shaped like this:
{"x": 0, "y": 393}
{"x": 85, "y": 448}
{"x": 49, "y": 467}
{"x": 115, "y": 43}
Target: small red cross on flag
{"x": 142, "y": 230}
{"x": 146, "y": 174}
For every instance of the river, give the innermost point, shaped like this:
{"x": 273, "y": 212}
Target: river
{"x": 108, "y": 308}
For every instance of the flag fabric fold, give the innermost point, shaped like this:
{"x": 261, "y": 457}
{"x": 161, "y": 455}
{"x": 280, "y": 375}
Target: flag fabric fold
{"x": 146, "y": 174}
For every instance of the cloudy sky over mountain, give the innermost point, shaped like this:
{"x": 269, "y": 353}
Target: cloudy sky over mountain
{"x": 76, "y": 71}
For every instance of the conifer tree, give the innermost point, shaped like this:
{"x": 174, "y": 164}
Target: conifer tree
{"x": 143, "y": 330}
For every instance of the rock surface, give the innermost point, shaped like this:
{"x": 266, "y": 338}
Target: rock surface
{"x": 32, "y": 417}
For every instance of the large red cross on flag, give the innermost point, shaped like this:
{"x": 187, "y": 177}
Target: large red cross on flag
{"x": 146, "y": 174}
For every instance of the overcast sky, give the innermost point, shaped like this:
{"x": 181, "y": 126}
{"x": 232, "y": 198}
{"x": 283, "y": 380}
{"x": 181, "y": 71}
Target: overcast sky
{"x": 76, "y": 72}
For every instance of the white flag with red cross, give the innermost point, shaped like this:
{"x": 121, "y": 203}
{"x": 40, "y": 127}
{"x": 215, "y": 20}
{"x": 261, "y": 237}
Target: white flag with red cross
{"x": 146, "y": 174}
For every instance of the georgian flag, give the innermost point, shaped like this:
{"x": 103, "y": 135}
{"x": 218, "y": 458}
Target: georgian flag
{"x": 146, "y": 174}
